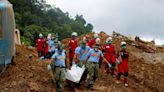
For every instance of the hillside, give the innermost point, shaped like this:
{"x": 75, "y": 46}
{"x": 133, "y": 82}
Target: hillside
{"x": 31, "y": 75}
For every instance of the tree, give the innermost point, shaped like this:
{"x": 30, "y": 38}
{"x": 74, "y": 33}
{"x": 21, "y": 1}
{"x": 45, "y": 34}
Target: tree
{"x": 35, "y": 16}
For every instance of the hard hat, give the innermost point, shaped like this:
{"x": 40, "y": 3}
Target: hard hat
{"x": 74, "y": 34}
{"x": 87, "y": 36}
{"x": 49, "y": 36}
{"x": 123, "y": 43}
{"x": 96, "y": 35}
{"x": 109, "y": 39}
{"x": 98, "y": 41}
{"x": 40, "y": 35}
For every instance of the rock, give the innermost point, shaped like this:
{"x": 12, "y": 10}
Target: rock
{"x": 14, "y": 83}
{"x": 33, "y": 86}
{"x": 6, "y": 89}
{"x": 160, "y": 87}
{"x": 142, "y": 82}
{"x": 143, "y": 68}
{"x": 30, "y": 56}
{"x": 31, "y": 75}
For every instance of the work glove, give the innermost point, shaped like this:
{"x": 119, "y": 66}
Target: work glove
{"x": 122, "y": 53}
{"x": 49, "y": 67}
{"x": 110, "y": 66}
{"x": 73, "y": 63}
{"x": 117, "y": 61}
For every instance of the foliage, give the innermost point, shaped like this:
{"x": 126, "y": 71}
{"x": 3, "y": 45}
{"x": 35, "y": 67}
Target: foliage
{"x": 35, "y": 16}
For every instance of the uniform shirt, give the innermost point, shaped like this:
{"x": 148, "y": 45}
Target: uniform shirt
{"x": 109, "y": 49}
{"x": 72, "y": 45}
{"x": 109, "y": 52}
{"x": 92, "y": 43}
{"x": 94, "y": 56}
{"x": 82, "y": 52}
{"x": 59, "y": 60}
{"x": 39, "y": 43}
{"x": 52, "y": 45}
{"x": 89, "y": 42}
{"x": 124, "y": 55}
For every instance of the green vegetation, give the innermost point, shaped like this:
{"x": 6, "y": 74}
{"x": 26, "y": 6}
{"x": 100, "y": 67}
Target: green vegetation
{"x": 35, "y": 16}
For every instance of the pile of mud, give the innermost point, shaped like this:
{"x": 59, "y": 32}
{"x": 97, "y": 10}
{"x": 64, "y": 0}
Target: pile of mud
{"x": 31, "y": 75}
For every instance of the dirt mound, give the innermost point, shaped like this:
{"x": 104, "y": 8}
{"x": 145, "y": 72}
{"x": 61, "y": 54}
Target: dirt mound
{"x": 30, "y": 74}
{"x": 27, "y": 75}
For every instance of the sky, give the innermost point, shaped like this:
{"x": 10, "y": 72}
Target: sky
{"x": 144, "y": 18}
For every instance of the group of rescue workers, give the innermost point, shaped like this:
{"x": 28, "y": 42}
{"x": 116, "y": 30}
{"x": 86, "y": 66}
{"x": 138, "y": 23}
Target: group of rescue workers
{"x": 89, "y": 53}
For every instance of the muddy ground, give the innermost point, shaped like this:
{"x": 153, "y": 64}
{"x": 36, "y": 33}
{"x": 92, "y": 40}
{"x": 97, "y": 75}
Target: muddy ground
{"x": 29, "y": 74}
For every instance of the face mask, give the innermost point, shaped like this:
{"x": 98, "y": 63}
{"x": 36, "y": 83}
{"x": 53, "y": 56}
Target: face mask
{"x": 124, "y": 47}
{"x": 60, "y": 52}
{"x": 83, "y": 47}
{"x": 73, "y": 37}
{"x": 110, "y": 42}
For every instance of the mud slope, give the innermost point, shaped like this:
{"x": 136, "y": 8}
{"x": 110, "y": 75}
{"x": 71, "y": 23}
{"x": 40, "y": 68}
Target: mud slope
{"x": 31, "y": 75}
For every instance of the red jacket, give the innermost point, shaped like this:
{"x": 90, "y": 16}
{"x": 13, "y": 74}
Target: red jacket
{"x": 123, "y": 66}
{"x": 39, "y": 43}
{"x": 72, "y": 47}
{"x": 92, "y": 43}
{"x": 46, "y": 46}
{"x": 109, "y": 53}
{"x": 89, "y": 43}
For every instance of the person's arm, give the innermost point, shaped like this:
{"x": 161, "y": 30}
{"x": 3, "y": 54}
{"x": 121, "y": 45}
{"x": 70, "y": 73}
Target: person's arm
{"x": 52, "y": 59}
{"x": 89, "y": 53}
{"x": 86, "y": 60}
{"x": 67, "y": 61}
{"x": 104, "y": 59}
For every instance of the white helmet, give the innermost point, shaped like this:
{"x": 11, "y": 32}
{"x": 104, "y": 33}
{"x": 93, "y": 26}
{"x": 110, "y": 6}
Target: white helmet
{"x": 40, "y": 35}
{"x": 74, "y": 34}
{"x": 96, "y": 35}
{"x": 49, "y": 36}
{"x": 109, "y": 39}
{"x": 123, "y": 43}
{"x": 98, "y": 41}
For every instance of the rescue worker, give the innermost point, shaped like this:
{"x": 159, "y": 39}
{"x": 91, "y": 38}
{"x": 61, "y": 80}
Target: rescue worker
{"x": 93, "y": 64}
{"x": 93, "y": 41}
{"x": 59, "y": 63}
{"x": 45, "y": 46}
{"x": 72, "y": 46}
{"x": 88, "y": 40}
{"x": 109, "y": 53}
{"x": 123, "y": 64}
{"x": 81, "y": 53}
{"x": 39, "y": 44}
{"x": 51, "y": 46}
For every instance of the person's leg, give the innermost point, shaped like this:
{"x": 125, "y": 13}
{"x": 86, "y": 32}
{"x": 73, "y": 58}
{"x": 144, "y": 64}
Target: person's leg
{"x": 61, "y": 80}
{"x": 91, "y": 75}
{"x": 57, "y": 78}
{"x": 96, "y": 71}
{"x": 119, "y": 71}
{"x": 126, "y": 77}
{"x": 126, "y": 73}
{"x": 113, "y": 69}
{"x": 39, "y": 53}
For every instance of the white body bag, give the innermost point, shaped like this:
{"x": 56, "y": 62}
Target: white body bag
{"x": 75, "y": 73}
